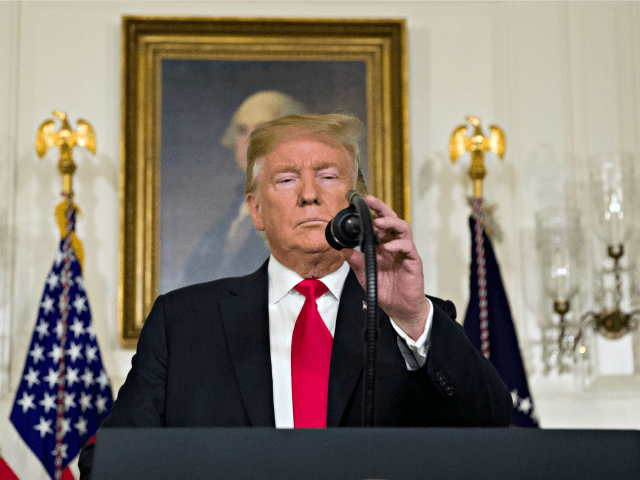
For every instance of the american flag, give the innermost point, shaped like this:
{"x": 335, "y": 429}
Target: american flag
{"x": 504, "y": 351}
{"x": 64, "y": 393}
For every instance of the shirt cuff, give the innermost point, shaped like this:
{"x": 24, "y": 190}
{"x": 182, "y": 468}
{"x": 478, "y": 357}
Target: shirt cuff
{"x": 418, "y": 348}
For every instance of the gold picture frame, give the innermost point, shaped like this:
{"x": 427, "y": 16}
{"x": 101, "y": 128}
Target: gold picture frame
{"x": 380, "y": 44}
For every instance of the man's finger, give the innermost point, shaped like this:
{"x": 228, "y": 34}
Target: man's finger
{"x": 381, "y": 208}
{"x": 392, "y": 223}
{"x": 400, "y": 245}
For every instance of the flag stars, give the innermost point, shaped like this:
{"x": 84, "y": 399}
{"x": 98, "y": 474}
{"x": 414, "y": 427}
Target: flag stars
{"x": 42, "y": 329}
{"x": 72, "y": 376}
{"x": 514, "y": 397}
{"x": 37, "y": 353}
{"x": 103, "y": 380}
{"x": 59, "y": 258}
{"x": 525, "y": 405}
{"x": 47, "y": 305}
{"x": 63, "y": 450}
{"x": 48, "y": 402}
{"x": 101, "y": 404}
{"x": 87, "y": 378}
{"x": 43, "y": 427}
{"x": 80, "y": 303}
{"x": 81, "y": 426}
{"x": 32, "y": 377}
{"x": 52, "y": 281}
{"x": 522, "y": 404}
{"x": 66, "y": 426}
{"x": 77, "y": 328}
{"x": 90, "y": 331}
{"x": 58, "y": 328}
{"x": 74, "y": 351}
{"x": 90, "y": 352}
{"x": 52, "y": 377}
{"x": 69, "y": 401}
{"x": 85, "y": 401}
{"x": 26, "y": 402}
{"x": 55, "y": 353}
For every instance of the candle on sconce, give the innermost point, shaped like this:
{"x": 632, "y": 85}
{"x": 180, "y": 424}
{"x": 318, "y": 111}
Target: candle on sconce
{"x": 614, "y": 222}
{"x": 615, "y": 230}
{"x": 559, "y": 272}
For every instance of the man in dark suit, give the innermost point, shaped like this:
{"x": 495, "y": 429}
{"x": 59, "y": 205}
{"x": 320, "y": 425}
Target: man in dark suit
{"x": 224, "y": 353}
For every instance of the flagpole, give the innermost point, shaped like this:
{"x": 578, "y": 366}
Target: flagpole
{"x": 477, "y": 144}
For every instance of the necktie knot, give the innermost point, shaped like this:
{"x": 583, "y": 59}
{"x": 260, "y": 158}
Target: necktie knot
{"x": 311, "y": 288}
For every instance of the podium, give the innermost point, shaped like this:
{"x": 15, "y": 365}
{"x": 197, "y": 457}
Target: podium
{"x": 366, "y": 453}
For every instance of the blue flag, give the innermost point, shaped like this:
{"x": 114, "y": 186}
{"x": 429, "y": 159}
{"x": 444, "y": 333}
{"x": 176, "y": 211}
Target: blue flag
{"x": 504, "y": 352}
{"x": 76, "y": 401}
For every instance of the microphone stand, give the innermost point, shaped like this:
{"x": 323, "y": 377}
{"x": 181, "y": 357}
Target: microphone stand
{"x": 371, "y": 330}
{"x": 350, "y": 228}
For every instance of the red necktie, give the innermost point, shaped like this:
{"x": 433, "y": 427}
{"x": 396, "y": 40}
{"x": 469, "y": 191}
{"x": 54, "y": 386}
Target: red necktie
{"x": 310, "y": 360}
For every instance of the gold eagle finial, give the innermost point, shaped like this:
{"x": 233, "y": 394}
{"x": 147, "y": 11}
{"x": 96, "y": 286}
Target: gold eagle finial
{"x": 65, "y": 139}
{"x": 477, "y": 144}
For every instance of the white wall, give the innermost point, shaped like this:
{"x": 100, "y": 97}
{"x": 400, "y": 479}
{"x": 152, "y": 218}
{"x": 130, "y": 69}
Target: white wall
{"x": 561, "y": 78}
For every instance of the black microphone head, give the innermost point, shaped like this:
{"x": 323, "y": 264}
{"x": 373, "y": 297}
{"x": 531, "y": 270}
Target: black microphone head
{"x": 344, "y": 231}
{"x": 333, "y": 243}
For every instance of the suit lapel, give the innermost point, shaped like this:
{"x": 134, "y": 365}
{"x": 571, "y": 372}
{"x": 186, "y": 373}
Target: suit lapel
{"x": 246, "y": 323}
{"x": 347, "y": 355}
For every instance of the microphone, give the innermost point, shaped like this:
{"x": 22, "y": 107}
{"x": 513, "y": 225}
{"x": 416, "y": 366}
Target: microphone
{"x": 345, "y": 230}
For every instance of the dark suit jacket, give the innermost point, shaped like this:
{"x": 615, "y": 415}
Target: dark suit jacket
{"x": 203, "y": 360}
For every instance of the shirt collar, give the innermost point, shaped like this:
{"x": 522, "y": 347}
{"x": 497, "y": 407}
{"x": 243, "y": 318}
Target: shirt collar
{"x": 283, "y": 279}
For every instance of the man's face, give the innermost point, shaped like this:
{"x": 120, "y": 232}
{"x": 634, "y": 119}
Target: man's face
{"x": 302, "y": 186}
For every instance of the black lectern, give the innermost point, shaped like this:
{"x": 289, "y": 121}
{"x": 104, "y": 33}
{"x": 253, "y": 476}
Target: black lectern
{"x": 371, "y": 453}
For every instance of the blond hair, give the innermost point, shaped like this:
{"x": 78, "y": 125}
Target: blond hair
{"x": 342, "y": 129}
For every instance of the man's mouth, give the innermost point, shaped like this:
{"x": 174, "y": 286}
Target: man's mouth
{"x": 312, "y": 220}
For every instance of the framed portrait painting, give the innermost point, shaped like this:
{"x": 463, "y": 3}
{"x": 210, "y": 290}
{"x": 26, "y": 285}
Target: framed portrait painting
{"x": 193, "y": 89}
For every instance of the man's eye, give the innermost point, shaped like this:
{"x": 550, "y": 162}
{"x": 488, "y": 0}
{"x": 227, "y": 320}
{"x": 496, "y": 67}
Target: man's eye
{"x": 328, "y": 179}
{"x": 285, "y": 182}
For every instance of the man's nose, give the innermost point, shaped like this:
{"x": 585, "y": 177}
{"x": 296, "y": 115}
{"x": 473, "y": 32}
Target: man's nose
{"x": 309, "y": 189}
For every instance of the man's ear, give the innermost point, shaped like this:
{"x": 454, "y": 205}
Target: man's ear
{"x": 254, "y": 210}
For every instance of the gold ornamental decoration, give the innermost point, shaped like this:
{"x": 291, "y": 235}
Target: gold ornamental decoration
{"x": 65, "y": 139}
{"x": 476, "y": 144}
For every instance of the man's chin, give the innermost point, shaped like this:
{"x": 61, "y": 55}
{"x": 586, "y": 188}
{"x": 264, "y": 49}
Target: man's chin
{"x": 315, "y": 248}
{"x": 313, "y": 243}
{"x": 312, "y": 238}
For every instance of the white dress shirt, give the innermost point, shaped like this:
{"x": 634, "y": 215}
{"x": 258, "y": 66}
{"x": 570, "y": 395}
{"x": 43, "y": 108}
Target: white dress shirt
{"x": 285, "y": 304}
